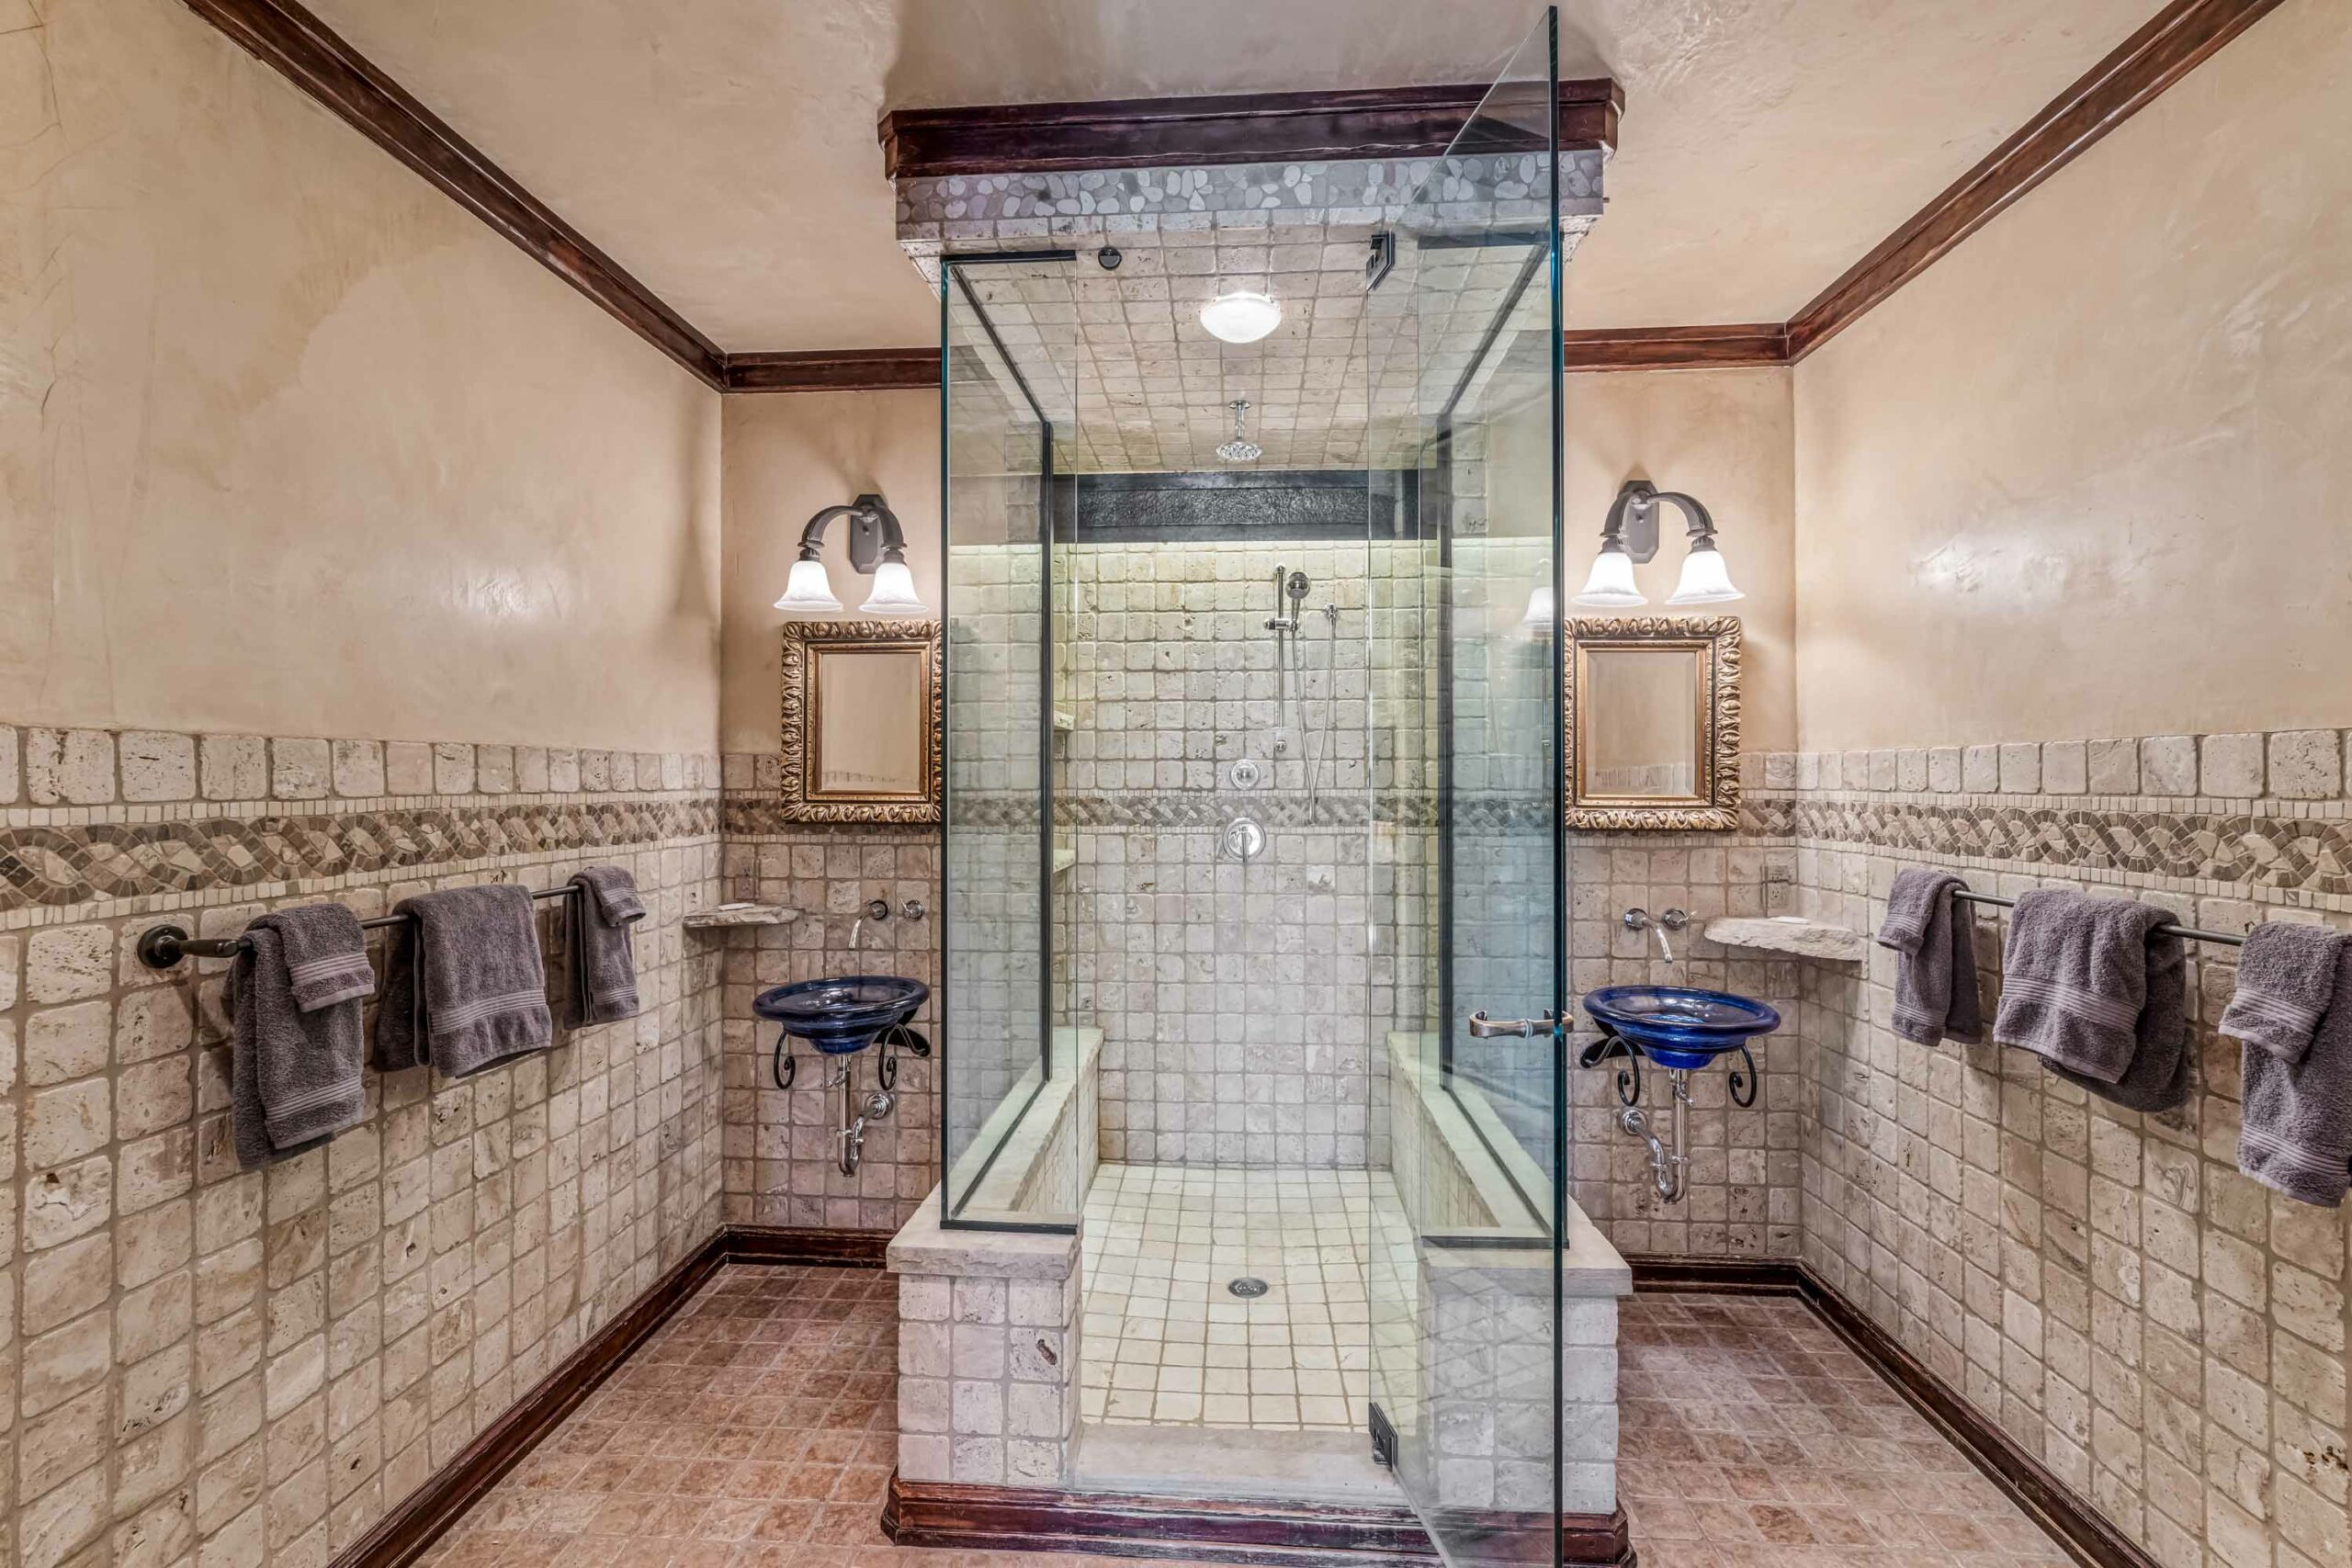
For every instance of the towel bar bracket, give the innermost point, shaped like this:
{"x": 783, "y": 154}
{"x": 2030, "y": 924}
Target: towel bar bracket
{"x": 162, "y": 947}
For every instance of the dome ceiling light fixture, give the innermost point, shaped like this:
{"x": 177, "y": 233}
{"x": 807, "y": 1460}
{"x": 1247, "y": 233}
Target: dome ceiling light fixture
{"x": 1241, "y": 316}
{"x": 1630, "y": 536}
{"x": 1240, "y": 449}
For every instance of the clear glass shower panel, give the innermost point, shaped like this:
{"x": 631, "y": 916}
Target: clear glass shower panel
{"x": 1461, "y": 1268}
{"x": 1000, "y": 1079}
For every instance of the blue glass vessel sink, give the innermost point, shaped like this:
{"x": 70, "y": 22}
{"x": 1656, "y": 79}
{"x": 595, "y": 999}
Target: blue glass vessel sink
{"x": 1677, "y": 1027}
{"x": 843, "y": 1015}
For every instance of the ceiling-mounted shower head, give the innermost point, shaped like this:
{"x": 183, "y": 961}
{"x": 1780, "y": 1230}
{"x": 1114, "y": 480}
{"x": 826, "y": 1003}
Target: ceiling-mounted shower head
{"x": 1240, "y": 449}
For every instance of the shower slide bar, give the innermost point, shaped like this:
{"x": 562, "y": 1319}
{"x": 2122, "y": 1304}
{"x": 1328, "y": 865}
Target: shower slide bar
{"x": 2186, "y": 933}
{"x": 160, "y": 947}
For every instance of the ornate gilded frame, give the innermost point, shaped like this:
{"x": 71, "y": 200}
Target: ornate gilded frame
{"x": 804, "y": 642}
{"x": 1714, "y": 806}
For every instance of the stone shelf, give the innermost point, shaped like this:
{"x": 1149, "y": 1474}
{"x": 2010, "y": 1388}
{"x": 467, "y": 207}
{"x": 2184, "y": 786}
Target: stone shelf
{"x": 725, "y": 916}
{"x": 1806, "y": 939}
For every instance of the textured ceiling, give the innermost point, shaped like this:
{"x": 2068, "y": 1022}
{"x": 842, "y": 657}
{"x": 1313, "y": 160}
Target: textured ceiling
{"x": 724, "y": 150}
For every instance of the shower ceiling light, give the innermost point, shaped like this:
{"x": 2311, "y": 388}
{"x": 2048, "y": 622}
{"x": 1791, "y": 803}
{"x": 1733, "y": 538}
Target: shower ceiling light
{"x": 1240, "y": 317}
{"x": 1630, "y": 536}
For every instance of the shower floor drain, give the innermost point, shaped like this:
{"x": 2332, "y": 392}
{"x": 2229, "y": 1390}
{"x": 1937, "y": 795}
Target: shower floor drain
{"x": 1249, "y": 1286}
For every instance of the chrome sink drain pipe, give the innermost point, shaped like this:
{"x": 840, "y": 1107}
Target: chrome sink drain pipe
{"x": 1666, "y": 1163}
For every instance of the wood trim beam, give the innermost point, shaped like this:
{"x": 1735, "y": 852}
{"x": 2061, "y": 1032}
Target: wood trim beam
{"x": 307, "y": 52}
{"x": 1678, "y": 348}
{"x": 839, "y": 371}
{"x": 2175, "y": 41}
{"x": 2070, "y": 1519}
{"x": 1248, "y": 128}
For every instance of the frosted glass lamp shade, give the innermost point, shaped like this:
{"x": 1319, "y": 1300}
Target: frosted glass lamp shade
{"x": 1610, "y": 586}
{"x": 1539, "y": 614}
{"x": 807, "y": 592}
{"x": 1240, "y": 317}
{"x": 1705, "y": 579}
{"x": 894, "y": 592}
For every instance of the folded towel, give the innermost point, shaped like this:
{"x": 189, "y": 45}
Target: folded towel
{"x": 1935, "y": 984}
{"x": 2074, "y": 977}
{"x": 2285, "y": 978}
{"x": 295, "y": 1054}
{"x": 2160, "y": 1075}
{"x": 2296, "y": 1132}
{"x": 599, "y": 946}
{"x": 463, "y": 986}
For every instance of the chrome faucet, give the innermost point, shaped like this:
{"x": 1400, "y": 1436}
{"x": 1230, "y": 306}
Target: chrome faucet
{"x": 1639, "y": 920}
{"x": 877, "y": 910}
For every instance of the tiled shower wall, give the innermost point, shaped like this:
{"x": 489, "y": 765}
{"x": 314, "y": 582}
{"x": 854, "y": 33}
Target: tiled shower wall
{"x": 2166, "y": 1333}
{"x": 1232, "y": 998}
{"x": 204, "y": 1364}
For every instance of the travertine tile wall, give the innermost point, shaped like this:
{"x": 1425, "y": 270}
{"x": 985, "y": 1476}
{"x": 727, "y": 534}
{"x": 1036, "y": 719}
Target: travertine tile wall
{"x": 1232, "y": 998}
{"x": 780, "y": 1164}
{"x": 2168, "y": 1336}
{"x": 207, "y": 1365}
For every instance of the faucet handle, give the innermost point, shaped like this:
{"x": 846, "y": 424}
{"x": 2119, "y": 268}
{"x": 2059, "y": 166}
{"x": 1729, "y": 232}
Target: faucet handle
{"x": 1674, "y": 919}
{"x": 877, "y": 908}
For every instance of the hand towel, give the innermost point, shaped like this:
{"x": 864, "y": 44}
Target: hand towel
{"x": 1935, "y": 983}
{"x": 599, "y": 948}
{"x": 464, "y": 988}
{"x": 2286, "y": 979}
{"x": 2295, "y": 1135}
{"x": 2074, "y": 977}
{"x": 294, "y": 1052}
{"x": 2160, "y": 1074}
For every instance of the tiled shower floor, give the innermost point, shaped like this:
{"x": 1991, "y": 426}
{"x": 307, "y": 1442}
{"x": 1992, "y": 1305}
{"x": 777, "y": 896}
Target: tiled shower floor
{"x": 1166, "y": 1343}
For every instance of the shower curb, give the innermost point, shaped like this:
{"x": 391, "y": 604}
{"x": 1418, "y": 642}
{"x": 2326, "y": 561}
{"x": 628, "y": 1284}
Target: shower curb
{"x": 2087, "y": 1535}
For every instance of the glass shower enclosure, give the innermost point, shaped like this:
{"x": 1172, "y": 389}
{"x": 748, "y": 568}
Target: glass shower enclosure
{"x": 1435, "y": 374}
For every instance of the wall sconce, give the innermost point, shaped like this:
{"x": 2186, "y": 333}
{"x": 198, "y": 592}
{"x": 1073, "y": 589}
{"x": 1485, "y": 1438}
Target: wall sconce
{"x": 1630, "y": 536}
{"x": 878, "y": 549}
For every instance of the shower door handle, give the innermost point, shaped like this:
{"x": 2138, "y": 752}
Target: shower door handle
{"x": 1485, "y": 1028}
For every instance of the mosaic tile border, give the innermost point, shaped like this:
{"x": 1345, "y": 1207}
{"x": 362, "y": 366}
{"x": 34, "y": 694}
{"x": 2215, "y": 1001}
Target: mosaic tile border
{"x": 47, "y": 866}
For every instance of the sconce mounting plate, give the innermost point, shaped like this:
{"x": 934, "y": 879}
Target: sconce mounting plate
{"x": 866, "y": 540}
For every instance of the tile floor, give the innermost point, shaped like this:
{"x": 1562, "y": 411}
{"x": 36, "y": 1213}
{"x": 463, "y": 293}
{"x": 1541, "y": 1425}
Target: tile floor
{"x": 1166, "y": 1343}
{"x": 1751, "y": 1437}
{"x": 757, "y": 1429}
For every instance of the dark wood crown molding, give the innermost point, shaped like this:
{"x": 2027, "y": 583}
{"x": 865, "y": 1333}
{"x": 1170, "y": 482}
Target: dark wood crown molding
{"x": 308, "y": 54}
{"x": 1253, "y": 128}
{"x": 2174, "y": 43}
{"x": 838, "y": 370}
{"x": 1677, "y": 348}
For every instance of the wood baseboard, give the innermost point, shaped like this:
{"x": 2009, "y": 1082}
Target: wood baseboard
{"x": 1128, "y": 1524}
{"x": 786, "y": 1243}
{"x": 2070, "y": 1519}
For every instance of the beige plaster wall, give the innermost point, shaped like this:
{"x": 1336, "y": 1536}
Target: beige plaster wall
{"x": 1724, "y": 436}
{"x": 788, "y": 457}
{"x": 289, "y": 443}
{"x": 2091, "y": 473}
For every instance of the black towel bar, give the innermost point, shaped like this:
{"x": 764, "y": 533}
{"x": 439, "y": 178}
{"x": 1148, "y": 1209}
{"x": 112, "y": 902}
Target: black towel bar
{"x": 160, "y": 947}
{"x": 2188, "y": 933}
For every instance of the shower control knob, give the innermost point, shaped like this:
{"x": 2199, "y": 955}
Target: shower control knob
{"x": 1245, "y": 774}
{"x": 1242, "y": 840}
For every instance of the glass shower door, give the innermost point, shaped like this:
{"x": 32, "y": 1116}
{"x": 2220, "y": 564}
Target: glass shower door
{"x": 1462, "y": 1268}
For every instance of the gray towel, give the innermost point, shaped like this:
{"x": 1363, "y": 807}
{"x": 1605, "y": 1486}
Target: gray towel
{"x": 2286, "y": 979}
{"x": 2295, "y": 1135}
{"x": 1935, "y": 983}
{"x": 464, "y": 988}
{"x": 599, "y": 946}
{"x": 295, "y": 1054}
{"x": 2088, "y": 987}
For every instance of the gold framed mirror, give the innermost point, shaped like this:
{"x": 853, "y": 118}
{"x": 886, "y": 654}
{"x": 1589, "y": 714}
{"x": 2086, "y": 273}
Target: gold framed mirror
{"x": 1651, "y": 711}
{"x": 860, "y": 721}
